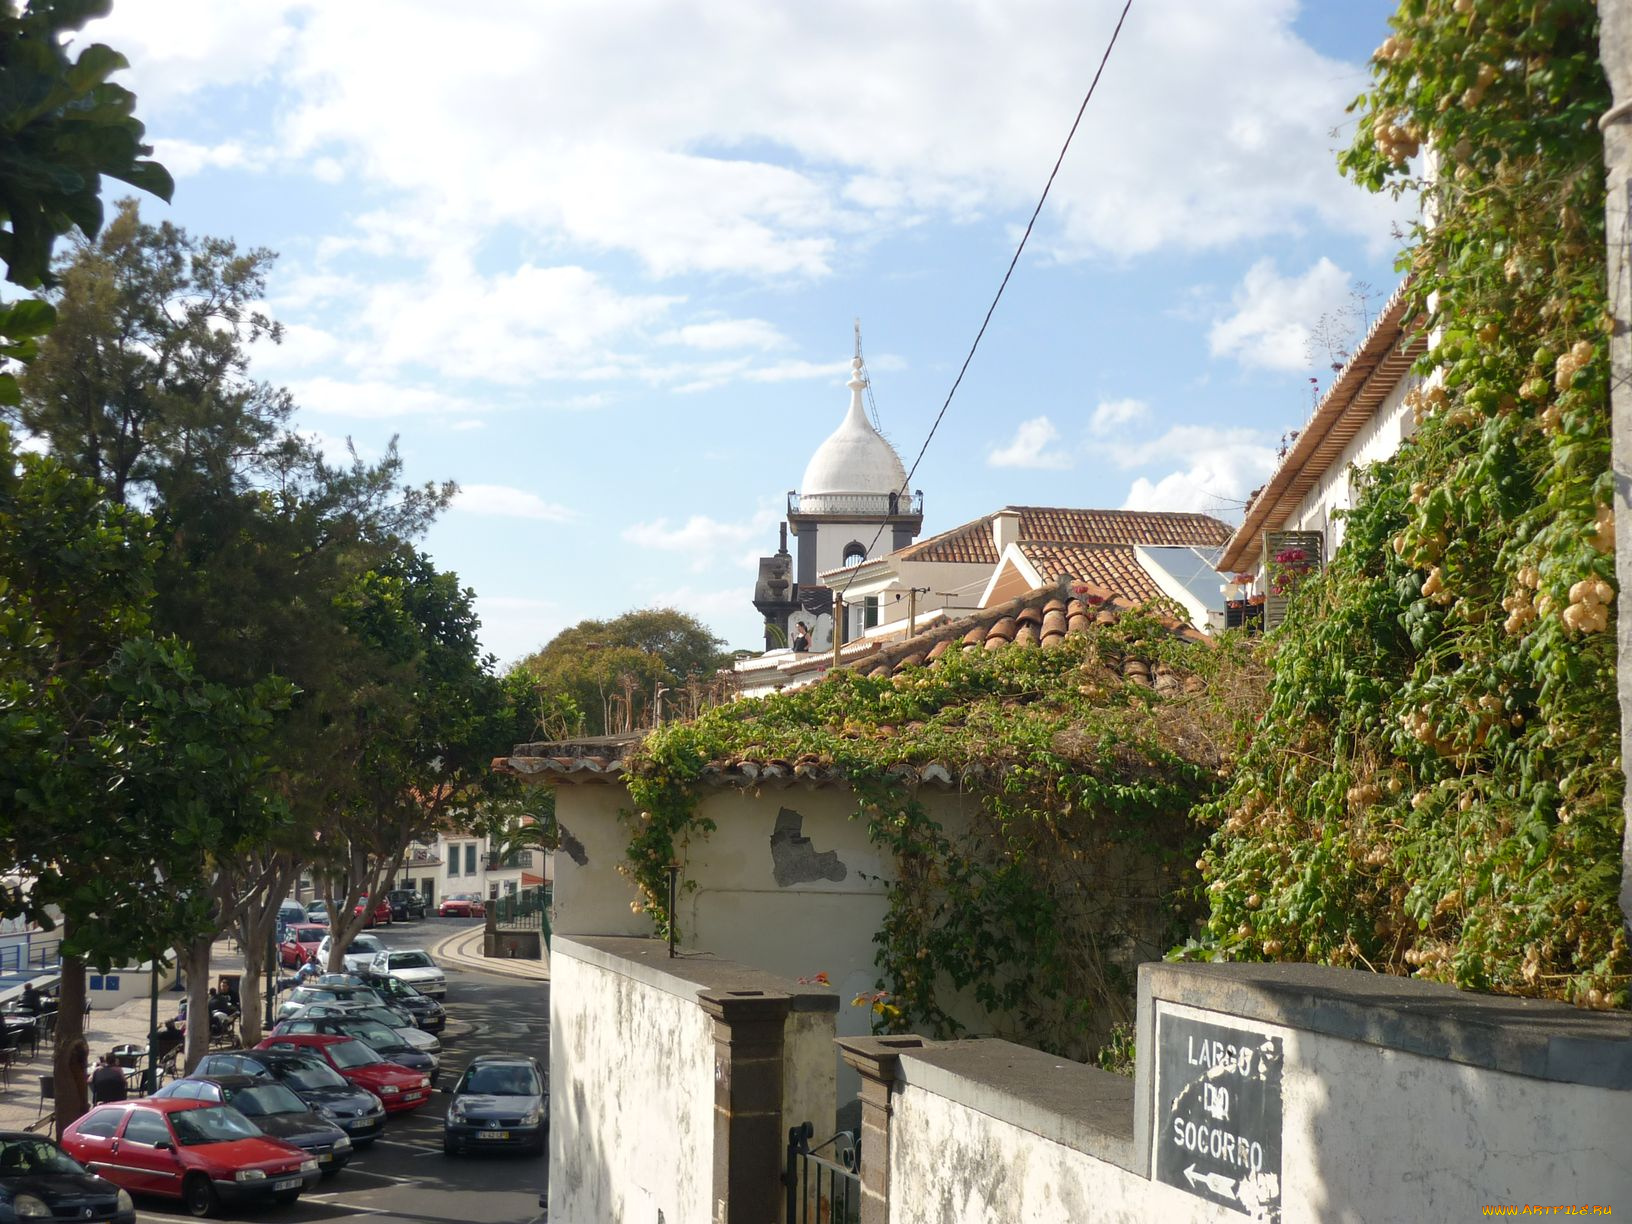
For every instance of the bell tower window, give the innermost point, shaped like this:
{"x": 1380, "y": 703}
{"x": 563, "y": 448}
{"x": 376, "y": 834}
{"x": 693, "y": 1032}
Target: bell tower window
{"x": 855, "y": 553}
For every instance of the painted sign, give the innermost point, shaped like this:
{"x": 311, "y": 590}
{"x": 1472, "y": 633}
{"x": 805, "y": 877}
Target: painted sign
{"x": 1218, "y": 1114}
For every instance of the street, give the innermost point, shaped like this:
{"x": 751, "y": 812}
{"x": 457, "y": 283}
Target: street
{"x": 404, "y": 1176}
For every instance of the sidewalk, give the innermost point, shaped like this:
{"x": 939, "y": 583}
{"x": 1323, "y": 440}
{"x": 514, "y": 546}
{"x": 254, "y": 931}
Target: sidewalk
{"x": 463, "y": 950}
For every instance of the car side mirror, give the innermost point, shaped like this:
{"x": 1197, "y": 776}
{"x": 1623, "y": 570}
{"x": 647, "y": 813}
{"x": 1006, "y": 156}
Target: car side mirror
{"x": 164, "y": 1145}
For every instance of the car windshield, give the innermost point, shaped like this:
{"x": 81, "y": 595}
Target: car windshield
{"x": 312, "y": 935}
{"x": 501, "y": 1081}
{"x": 309, "y": 1073}
{"x": 382, "y": 1015}
{"x": 19, "y": 1157}
{"x": 265, "y": 1099}
{"x": 350, "y": 1054}
{"x": 362, "y": 944}
{"x": 376, "y": 1034}
{"x": 212, "y": 1124}
{"x": 411, "y": 960}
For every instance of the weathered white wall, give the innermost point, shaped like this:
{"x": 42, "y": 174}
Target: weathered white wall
{"x": 1370, "y": 1133}
{"x": 951, "y": 1163}
{"x": 631, "y": 1099}
{"x": 1379, "y": 438}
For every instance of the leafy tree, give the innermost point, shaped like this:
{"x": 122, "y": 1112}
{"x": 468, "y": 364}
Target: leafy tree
{"x": 610, "y": 669}
{"x": 119, "y": 765}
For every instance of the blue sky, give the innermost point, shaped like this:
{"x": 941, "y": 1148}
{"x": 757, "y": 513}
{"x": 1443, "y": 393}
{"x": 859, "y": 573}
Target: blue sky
{"x": 598, "y": 260}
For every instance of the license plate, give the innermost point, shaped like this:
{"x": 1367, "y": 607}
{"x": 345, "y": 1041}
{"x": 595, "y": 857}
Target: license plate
{"x": 357, "y": 1124}
{"x": 288, "y": 1183}
{"x": 412, "y": 1096}
{"x": 492, "y": 1134}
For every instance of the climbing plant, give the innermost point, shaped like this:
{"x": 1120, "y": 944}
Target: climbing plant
{"x": 1436, "y": 788}
{"x": 1078, "y": 856}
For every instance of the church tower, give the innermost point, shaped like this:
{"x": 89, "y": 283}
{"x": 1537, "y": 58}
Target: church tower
{"x": 852, "y": 506}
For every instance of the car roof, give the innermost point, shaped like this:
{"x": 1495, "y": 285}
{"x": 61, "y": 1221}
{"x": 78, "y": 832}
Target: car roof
{"x": 166, "y": 1104}
{"x": 226, "y": 1079}
{"x": 308, "y": 926}
{"x": 310, "y": 1039}
{"x": 393, "y": 951}
{"x": 503, "y": 1060}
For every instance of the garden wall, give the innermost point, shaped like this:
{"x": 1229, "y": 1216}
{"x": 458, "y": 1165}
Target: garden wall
{"x": 674, "y": 1083}
{"x": 1275, "y": 1092}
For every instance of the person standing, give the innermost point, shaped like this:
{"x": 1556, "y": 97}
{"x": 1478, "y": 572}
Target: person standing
{"x": 801, "y": 638}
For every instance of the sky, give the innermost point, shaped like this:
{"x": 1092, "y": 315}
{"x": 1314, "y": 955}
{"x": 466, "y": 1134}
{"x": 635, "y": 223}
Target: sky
{"x": 599, "y": 261}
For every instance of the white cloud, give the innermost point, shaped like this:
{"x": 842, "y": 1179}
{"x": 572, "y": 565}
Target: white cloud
{"x": 501, "y": 500}
{"x": 184, "y": 158}
{"x": 700, "y": 537}
{"x": 782, "y": 165}
{"x": 727, "y": 334}
{"x": 1030, "y": 447}
{"x": 1275, "y": 315}
{"x": 1218, "y": 468}
{"x": 1109, "y": 414}
{"x": 375, "y": 399}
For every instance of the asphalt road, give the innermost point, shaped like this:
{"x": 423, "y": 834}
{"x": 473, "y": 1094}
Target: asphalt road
{"x": 404, "y": 1176}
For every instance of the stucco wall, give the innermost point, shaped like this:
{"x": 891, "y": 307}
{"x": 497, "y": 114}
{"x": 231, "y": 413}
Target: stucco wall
{"x": 631, "y": 1099}
{"x": 1379, "y": 438}
{"x": 1394, "y": 1101}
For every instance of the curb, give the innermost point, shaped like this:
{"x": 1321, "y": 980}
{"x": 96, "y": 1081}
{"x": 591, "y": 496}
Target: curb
{"x": 460, "y": 957}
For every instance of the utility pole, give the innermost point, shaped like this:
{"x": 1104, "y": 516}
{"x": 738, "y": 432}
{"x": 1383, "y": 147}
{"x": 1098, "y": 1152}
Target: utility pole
{"x": 838, "y": 624}
{"x": 1615, "y": 53}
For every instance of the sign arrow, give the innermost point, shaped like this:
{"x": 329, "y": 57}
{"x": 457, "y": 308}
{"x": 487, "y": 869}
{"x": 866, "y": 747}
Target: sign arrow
{"x": 1220, "y": 1185}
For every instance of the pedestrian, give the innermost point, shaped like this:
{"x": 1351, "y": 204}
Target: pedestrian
{"x": 308, "y": 970}
{"x": 108, "y": 1081}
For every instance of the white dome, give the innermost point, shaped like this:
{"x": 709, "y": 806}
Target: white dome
{"x": 855, "y": 458}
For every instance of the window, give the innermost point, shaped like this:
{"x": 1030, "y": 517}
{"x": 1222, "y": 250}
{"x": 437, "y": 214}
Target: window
{"x": 855, "y": 553}
{"x": 453, "y": 861}
{"x": 869, "y": 614}
{"x": 470, "y": 858}
{"x": 147, "y": 1127}
{"x": 102, "y": 1123}
{"x": 509, "y": 888}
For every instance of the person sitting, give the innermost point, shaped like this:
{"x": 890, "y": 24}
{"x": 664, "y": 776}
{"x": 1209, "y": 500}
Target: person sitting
{"x": 108, "y": 1081}
{"x": 32, "y": 1001}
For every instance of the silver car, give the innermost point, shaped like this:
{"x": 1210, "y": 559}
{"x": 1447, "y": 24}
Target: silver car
{"x": 414, "y": 966}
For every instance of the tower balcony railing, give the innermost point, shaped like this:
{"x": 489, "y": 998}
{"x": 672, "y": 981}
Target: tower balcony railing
{"x": 879, "y": 505}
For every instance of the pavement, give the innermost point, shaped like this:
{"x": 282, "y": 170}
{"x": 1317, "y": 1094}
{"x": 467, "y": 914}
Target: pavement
{"x": 20, "y": 1100}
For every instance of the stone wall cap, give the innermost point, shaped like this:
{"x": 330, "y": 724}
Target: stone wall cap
{"x": 1071, "y": 1103}
{"x": 690, "y": 974}
{"x": 1538, "y": 1038}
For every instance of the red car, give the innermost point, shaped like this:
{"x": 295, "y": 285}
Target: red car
{"x": 379, "y": 914}
{"x": 398, "y": 1088}
{"x": 300, "y": 944}
{"x": 201, "y": 1152}
{"x": 462, "y": 905}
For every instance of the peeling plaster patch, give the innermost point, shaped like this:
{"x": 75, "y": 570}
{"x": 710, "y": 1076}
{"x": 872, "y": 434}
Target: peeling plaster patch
{"x": 574, "y": 848}
{"x": 793, "y": 861}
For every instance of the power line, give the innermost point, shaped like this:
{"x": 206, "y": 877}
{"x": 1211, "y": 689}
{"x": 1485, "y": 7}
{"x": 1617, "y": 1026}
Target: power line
{"x": 1004, "y": 284}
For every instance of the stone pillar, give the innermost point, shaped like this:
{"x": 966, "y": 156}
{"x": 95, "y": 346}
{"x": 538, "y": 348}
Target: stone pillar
{"x": 878, "y": 1060}
{"x": 748, "y": 1140}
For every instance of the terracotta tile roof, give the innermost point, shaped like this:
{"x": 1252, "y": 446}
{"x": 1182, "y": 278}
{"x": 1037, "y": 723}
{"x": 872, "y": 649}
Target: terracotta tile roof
{"x": 1041, "y": 618}
{"x": 1113, "y": 567}
{"x": 1382, "y": 359}
{"x": 972, "y": 542}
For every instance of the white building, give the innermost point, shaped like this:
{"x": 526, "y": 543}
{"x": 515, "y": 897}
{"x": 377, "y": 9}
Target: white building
{"x": 459, "y": 861}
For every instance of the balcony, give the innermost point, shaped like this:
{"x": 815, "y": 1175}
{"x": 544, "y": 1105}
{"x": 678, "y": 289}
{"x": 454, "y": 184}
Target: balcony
{"x": 510, "y": 862}
{"x": 859, "y": 505}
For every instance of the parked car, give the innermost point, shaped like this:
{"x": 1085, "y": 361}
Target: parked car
{"x": 300, "y": 943}
{"x": 357, "y": 1111}
{"x": 382, "y": 1039}
{"x": 274, "y": 1109}
{"x": 462, "y": 905}
{"x": 498, "y": 1102}
{"x": 426, "y": 1011}
{"x": 377, "y": 913}
{"x": 411, "y": 965}
{"x": 317, "y": 912}
{"x": 395, "y": 1019}
{"x": 39, "y": 1180}
{"x": 398, "y": 1088}
{"x": 358, "y": 952}
{"x": 290, "y": 911}
{"x": 405, "y": 904}
{"x": 201, "y": 1153}
{"x": 300, "y": 998}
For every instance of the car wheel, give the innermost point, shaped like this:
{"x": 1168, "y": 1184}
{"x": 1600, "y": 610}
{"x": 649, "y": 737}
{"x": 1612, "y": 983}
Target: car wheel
{"x": 198, "y": 1195}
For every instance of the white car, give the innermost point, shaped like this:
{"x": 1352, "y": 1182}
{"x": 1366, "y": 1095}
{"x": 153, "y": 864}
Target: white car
{"x": 414, "y": 966}
{"x": 359, "y": 952}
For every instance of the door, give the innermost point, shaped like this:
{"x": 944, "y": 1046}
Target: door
{"x": 147, "y": 1150}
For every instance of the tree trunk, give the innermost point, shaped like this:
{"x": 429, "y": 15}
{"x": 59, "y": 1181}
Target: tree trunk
{"x": 1615, "y": 52}
{"x": 194, "y": 959}
{"x": 69, "y": 1063}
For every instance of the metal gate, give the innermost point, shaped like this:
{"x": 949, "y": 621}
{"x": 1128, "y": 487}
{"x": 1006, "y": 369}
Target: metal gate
{"x": 822, "y": 1189}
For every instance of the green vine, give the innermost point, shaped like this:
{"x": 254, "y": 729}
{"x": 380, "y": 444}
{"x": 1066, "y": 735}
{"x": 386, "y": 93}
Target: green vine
{"x": 1078, "y": 860}
{"x": 1436, "y": 789}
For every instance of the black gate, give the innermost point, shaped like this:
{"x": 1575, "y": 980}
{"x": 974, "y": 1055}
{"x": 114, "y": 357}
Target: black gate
{"x": 823, "y": 1189}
